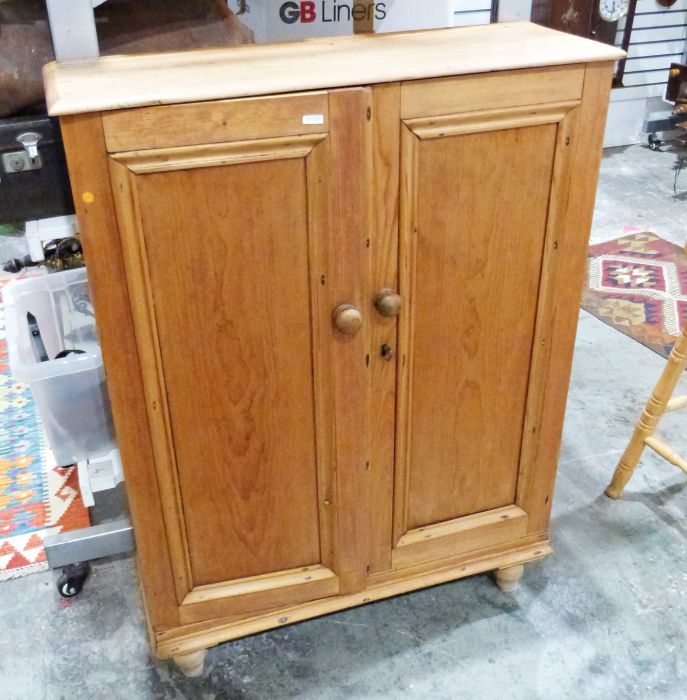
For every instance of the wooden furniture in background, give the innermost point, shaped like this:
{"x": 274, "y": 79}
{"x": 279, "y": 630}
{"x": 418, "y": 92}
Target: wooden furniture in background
{"x": 337, "y": 323}
{"x": 660, "y": 402}
{"x": 580, "y": 17}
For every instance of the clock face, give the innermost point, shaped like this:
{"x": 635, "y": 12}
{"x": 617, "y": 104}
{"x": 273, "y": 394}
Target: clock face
{"x": 613, "y": 10}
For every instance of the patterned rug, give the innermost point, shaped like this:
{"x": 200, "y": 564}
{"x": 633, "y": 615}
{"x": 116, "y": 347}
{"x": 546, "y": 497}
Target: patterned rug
{"x": 36, "y": 498}
{"x": 638, "y": 285}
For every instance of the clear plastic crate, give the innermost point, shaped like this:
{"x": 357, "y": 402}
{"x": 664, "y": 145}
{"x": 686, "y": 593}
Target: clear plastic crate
{"x": 70, "y": 392}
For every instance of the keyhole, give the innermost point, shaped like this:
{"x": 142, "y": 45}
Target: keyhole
{"x": 387, "y": 352}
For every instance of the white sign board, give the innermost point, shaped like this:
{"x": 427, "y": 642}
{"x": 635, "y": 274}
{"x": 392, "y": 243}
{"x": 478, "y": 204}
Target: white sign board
{"x": 287, "y": 20}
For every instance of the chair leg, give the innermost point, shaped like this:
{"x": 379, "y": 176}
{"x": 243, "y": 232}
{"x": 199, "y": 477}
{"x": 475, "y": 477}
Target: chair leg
{"x": 654, "y": 409}
{"x": 628, "y": 462}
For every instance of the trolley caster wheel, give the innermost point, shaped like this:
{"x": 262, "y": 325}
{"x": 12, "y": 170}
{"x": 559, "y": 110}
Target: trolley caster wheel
{"x": 654, "y": 143}
{"x": 72, "y": 580}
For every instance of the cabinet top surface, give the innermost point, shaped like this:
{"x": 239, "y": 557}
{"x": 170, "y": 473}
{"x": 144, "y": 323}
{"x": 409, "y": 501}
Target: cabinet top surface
{"x": 117, "y": 82}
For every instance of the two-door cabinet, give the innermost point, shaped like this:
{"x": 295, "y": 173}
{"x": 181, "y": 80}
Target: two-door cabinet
{"x": 337, "y": 285}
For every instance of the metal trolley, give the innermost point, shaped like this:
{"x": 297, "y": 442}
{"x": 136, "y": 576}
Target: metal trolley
{"x": 34, "y": 187}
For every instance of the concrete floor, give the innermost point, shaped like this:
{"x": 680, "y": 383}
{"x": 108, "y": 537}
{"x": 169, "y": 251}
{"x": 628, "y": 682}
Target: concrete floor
{"x": 604, "y": 617}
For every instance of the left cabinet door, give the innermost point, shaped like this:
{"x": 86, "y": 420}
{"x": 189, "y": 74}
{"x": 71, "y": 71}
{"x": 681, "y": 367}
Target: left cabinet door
{"x": 224, "y": 216}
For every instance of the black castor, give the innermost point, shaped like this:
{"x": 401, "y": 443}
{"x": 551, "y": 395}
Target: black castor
{"x": 654, "y": 143}
{"x": 72, "y": 580}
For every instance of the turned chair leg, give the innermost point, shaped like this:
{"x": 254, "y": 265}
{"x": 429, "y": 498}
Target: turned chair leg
{"x": 657, "y": 405}
{"x": 628, "y": 462}
{"x": 192, "y": 664}
{"x": 508, "y": 579}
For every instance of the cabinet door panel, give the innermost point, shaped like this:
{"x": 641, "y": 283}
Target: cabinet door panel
{"x": 234, "y": 259}
{"x": 477, "y": 272}
{"x": 231, "y": 292}
{"x": 480, "y": 195}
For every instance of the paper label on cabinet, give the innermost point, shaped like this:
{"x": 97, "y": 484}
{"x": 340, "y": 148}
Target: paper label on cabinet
{"x": 313, "y": 119}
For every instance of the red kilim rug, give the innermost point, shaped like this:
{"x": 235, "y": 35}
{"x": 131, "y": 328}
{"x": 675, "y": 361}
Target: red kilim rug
{"x": 36, "y": 498}
{"x": 638, "y": 285}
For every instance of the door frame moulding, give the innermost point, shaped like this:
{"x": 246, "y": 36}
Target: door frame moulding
{"x": 489, "y": 120}
{"x": 464, "y": 534}
{"x": 282, "y": 587}
{"x": 565, "y": 116}
{"x": 160, "y": 160}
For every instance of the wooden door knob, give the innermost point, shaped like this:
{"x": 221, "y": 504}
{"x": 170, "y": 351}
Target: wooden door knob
{"x": 348, "y": 319}
{"x": 388, "y": 303}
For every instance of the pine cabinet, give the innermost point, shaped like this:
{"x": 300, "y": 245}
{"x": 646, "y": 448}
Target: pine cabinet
{"x": 337, "y": 286}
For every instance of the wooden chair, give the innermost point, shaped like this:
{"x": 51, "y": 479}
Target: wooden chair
{"x": 661, "y": 402}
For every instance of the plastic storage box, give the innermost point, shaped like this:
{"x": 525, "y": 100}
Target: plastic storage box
{"x": 51, "y": 316}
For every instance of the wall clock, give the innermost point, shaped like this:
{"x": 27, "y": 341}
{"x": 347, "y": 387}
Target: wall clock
{"x": 613, "y": 10}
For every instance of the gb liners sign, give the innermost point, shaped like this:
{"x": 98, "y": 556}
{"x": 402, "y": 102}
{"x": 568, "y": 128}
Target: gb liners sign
{"x": 310, "y": 11}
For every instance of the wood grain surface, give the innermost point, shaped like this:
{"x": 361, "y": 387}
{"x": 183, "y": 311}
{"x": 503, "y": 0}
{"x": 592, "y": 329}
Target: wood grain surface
{"x": 214, "y": 122}
{"x": 347, "y": 283}
{"x": 574, "y": 219}
{"x": 231, "y": 292}
{"x": 480, "y": 224}
{"x": 279, "y": 469}
{"x": 383, "y": 273}
{"x": 118, "y": 82}
{"x": 471, "y": 94}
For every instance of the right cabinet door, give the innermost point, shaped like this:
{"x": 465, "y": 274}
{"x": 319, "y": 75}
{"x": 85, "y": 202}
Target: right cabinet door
{"x": 484, "y": 177}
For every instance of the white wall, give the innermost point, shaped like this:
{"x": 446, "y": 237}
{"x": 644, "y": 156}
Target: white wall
{"x": 264, "y": 19}
{"x": 515, "y": 10}
{"x": 470, "y": 12}
{"x": 263, "y": 16}
{"x": 405, "y": 15}
{"x": 658, "y": 39}
{"x": 254, "y": 18}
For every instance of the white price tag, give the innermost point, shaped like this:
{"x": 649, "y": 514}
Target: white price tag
{"x": 313, "y": 119}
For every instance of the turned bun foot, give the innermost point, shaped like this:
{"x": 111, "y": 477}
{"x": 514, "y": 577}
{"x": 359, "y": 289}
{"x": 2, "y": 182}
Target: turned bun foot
{"x": 508, "y": 579}
{"x": 192, "y": 664}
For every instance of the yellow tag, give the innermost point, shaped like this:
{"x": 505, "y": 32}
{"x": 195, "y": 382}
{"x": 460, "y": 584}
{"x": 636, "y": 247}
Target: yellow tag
{"x": 88, "y": 197}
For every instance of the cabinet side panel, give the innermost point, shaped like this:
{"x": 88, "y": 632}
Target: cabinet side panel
{"x": 88, "y": 171}
{"x": 227, "y": 250}
{"x": 481, "y": 223}
{"x": 573, "y": 225}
